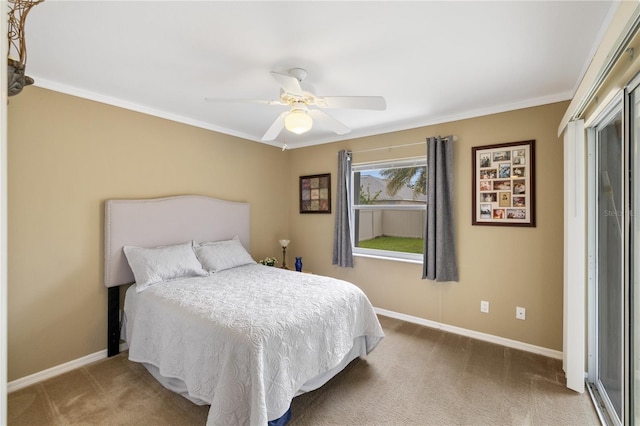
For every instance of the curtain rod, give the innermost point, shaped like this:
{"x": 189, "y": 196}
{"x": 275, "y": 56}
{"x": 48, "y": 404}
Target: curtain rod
{"x": 455, "y": 138}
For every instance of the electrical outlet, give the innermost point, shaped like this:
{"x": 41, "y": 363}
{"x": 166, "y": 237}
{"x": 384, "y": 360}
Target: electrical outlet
{"x": 484, "y": 306}
{"x": 521, "y": 313}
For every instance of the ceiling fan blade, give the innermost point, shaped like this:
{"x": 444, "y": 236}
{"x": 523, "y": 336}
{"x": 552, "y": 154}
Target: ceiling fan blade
{"x": 356, "y": 102}
{"x": 288, "y": 83}
{"x": 274, "y": 130}
{"x": 251, "y": 101}
{"x": 329, "y": 122}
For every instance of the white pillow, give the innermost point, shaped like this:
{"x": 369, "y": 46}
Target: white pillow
{"x": 157, "y": 264}
{"x": 220, "y": 255}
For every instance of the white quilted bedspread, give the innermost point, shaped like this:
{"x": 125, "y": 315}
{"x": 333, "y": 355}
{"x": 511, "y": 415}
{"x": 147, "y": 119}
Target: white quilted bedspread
{"x": 246, "y": 339}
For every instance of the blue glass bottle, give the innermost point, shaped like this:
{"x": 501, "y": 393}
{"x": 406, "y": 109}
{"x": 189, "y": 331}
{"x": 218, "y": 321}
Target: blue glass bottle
{"x": 299, "y": 264}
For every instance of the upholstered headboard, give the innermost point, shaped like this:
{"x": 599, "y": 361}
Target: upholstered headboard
{"x": 163, "y": 221}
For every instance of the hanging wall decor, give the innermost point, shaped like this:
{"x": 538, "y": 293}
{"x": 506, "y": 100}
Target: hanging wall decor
{"x": 315, "y": 193}
{"x": 503, "y": 184}
{"x": 17, "y": 60}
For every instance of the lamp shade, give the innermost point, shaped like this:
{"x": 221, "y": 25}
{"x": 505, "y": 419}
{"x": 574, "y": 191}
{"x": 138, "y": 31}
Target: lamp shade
{"x": 298, "y": 121}
{"x": 283, "y": 243}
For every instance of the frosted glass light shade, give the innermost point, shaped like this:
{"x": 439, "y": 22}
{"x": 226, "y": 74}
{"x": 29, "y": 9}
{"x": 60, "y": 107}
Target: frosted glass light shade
{"x": 283, "y": 243}
{"x": 298, "y": 121}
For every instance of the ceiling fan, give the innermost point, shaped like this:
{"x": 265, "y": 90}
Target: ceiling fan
{"x": 305, "y": 107}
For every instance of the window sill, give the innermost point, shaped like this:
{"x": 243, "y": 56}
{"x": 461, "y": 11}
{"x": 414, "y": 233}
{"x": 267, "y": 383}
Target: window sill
{"x": 395, "y": 259}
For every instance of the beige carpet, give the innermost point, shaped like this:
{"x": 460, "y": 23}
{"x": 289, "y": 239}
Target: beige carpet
{"x": 416, "y": 376}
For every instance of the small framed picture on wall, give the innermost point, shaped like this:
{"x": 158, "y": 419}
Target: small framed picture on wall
{"x": 315, "y": 193}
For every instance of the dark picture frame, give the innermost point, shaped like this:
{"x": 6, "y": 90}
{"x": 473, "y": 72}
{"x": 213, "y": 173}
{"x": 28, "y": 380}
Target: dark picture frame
{"x": 315, "y": 193}
{"x": 503, "y": 184}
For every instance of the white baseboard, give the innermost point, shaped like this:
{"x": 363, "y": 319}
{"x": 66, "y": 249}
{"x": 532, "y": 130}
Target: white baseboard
{"x": 473, "y": 334}
{"x": 86, "y": 360}
{"x": 57, "y": 370}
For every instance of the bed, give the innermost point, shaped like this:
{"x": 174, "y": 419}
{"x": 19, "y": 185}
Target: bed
{"x": 224, "y": 330}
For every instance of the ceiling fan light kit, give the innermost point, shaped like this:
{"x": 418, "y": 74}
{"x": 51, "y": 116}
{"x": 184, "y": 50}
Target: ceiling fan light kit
{"x": 299, "y": 119}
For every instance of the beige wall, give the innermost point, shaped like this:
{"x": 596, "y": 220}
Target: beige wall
{"x": 68, "y": 155}
{"x": 507, "y": 266}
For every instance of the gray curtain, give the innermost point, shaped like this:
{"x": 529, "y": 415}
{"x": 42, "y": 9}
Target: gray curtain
{"x": 440, "y": 262}
{"x": 342, "y": 255}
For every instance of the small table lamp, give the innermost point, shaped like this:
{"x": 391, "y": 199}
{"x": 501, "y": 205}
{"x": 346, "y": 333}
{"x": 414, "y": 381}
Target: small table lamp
{"x": 284, "y": 244}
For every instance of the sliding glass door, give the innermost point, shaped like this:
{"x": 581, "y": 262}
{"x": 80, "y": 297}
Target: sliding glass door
{"x": 607, "y": 312}
{"x": 634, "y": 254}
{"x": 614, "y": 253}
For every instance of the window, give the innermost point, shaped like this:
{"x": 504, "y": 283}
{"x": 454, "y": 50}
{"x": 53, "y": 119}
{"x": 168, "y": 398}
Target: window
{"x": 388, "y": 208}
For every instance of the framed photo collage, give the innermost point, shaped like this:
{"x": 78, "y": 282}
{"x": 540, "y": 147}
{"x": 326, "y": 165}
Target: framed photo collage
{"x": 503, "y": 184}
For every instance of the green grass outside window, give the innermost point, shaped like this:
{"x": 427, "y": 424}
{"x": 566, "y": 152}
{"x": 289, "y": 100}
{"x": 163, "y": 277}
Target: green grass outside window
{"x": 403, "y": 244}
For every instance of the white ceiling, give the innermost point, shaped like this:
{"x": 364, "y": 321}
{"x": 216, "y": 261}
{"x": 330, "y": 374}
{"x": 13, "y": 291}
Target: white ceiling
{"x": 432, "y": 61}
